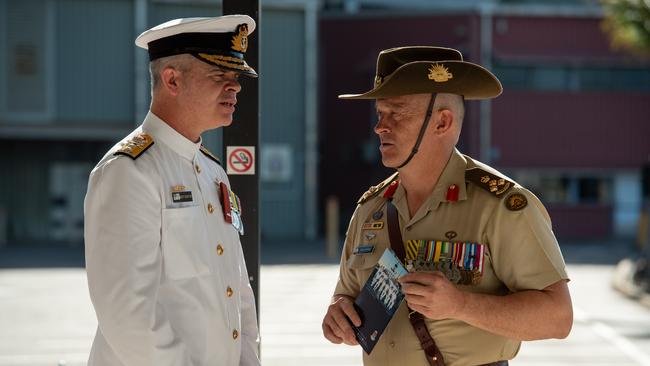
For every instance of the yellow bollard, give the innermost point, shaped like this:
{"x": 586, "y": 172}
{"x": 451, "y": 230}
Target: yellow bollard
{"x": 332, "y": 227}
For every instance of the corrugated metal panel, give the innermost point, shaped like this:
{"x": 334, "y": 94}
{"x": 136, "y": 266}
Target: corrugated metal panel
{"x": 282, "y": 77}
{"x": 28, "y": 198}
{"x": 24, "y": 184}
{"x": 26, "y": 75}
{"x": 162, "y": 12}
{"x": 94, "y": 61}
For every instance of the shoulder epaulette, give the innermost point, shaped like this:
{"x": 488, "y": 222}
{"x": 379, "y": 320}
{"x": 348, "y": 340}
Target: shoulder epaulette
{"x": 497, "y": 185}
{"x": 135, "y": 146}
{"x": 207, "y": 153}
{"x": 374, "y": 190}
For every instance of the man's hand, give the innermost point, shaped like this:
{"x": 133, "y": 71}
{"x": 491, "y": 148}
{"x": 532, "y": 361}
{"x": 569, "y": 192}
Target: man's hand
{"x": 336, "y": 327}
{"x": 432, "y": 295}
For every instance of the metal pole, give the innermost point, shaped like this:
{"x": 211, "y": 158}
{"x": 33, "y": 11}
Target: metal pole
{"x": 244, "y": 131}
{"x": 140, "y": 62}
{"x": 311, "y": 124}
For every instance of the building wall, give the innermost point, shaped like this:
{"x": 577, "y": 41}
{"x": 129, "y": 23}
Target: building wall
{"x": 94, "y": 61}
{"x": 67, "y": 94}
{"x": 282, "y": 88}
{"x": 571, "y": 123}
{"x": 558, "y": 129}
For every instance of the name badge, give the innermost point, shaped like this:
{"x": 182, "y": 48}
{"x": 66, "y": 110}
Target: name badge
{"x": 180, "y": 194}
{"x": 365, "y": 249}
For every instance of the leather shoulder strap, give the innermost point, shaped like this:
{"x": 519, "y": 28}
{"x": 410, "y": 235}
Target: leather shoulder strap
{"x": 394, "y": 232}
{"x": 433, "y": 354}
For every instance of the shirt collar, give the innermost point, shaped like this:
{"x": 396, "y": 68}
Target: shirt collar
{"x": 162, "y": 132}
{"x": 452, "y": 174}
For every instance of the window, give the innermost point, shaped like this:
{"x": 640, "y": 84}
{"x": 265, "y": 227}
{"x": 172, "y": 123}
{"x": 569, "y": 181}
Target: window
{"x": 568, "y": 188}
{"x": 572, "y": 78}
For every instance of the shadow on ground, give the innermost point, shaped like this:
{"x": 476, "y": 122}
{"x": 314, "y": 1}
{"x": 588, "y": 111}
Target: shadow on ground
{"x": 290, "y": 252}
{"x": 61, "y": 256}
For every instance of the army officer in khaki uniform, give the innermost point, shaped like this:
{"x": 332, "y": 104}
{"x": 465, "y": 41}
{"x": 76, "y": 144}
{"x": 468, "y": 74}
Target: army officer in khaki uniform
{"x": 487, "y": 271}
{"x": 165, "y": 266}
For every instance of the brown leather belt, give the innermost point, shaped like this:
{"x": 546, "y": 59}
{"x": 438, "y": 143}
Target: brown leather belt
{"x": 434, "y": 356}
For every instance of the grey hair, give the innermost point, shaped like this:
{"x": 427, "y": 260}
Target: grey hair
{"x": 453, "y": 102}
{"x": 180, "y": 62}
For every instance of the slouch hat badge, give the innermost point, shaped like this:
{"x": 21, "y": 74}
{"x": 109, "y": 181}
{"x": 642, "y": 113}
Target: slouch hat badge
{"x": 439, "y": 73}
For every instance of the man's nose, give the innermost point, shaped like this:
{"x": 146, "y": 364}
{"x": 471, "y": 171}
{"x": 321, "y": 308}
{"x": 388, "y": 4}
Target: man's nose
{"x": 381, "y": 126}
{"x": 234, "y": 85}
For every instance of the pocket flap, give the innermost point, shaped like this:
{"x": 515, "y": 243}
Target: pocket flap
{"x": 365, "y": 260}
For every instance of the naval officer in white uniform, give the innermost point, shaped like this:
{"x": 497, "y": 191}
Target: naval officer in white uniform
{"x": 165, "y": 266}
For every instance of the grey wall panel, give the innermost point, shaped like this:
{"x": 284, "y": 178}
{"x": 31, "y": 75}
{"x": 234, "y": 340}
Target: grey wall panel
{"x": 282, "y": 219}
{"x": 94, "y": 57}
{"x": 282, "y": 77}
{"x": 25, "y": 39}
{"x": 162, "y": 12}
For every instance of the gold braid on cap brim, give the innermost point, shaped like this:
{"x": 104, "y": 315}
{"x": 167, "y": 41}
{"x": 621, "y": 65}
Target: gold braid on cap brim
{"x": 226, "y": 61}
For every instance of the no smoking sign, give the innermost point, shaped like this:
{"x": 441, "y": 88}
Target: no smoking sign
{"x": 241, "y": 160}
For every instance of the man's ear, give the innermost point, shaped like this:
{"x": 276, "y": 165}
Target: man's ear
{"x": 444, "y": 122}
{"x": 170, "y": 80}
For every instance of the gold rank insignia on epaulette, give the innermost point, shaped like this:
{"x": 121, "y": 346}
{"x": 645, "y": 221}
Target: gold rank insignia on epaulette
{"x": 374, "y": 190}
{"x": 490, "y": 182}
{"x": 207, "y": 153}
{"x": 135, "y": 146}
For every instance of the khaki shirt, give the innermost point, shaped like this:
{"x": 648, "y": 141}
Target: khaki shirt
{"x": 521, "y": 254}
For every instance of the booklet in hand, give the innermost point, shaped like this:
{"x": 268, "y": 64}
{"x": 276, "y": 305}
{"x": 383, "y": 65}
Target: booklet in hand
{"x": 379, "y": 299}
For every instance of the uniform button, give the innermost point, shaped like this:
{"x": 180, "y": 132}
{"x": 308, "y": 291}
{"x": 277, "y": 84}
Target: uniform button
{"x": 198, "y": 168}
{"x": 408, "y": 228}
{"x": 210, "y": 208}
{"x": 235, "y": 334}
{"x": 219, "y": 249}
{"x": 229, "y": 291}
{"x": 392, "y": 344}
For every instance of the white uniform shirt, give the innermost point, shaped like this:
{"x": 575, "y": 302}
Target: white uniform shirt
{"x": 167, "y": 279}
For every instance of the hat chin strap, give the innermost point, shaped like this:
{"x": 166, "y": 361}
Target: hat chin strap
{"x": 423, "y": 129}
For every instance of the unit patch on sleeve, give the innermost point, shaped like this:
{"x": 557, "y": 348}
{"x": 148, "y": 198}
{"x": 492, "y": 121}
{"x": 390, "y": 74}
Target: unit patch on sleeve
{"x": 516, "y": 202}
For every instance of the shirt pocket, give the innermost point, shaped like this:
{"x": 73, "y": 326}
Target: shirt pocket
{"x": 361, "y": 265}
{"x": 366, "y": 261}
{"x": 184, "y": 243}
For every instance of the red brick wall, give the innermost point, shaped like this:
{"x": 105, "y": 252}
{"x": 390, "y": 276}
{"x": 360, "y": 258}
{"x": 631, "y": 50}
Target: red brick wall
{"x": 569, "y": 130}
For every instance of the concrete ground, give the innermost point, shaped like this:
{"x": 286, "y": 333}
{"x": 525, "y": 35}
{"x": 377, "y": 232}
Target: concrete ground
{"x": 46, "y": 317}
